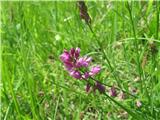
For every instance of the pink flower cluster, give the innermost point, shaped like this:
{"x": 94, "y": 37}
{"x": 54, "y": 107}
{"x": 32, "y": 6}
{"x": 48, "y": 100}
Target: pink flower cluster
{"x": 73, "y": 64}
{"x": 78, "y": 67}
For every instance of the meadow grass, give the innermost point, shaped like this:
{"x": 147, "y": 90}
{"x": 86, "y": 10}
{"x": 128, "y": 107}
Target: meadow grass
{"x": 123, "y": 38}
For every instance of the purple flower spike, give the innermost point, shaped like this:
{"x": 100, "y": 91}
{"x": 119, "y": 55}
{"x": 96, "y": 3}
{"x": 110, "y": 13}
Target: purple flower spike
{"x": 76, "y": 74}
{"x": 100, "y": 87}
{"x": 95, "y": 70}
{"x": 113, "y": 92}
{"x": 88, "y": 87}
{"x": 78, "y": 67}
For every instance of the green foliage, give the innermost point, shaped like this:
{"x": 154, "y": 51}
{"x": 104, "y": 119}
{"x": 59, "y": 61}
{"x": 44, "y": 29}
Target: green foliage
{"x": 124, "y": 41}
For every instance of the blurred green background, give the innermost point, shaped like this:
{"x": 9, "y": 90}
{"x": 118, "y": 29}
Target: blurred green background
{"x": 34, "y": 82}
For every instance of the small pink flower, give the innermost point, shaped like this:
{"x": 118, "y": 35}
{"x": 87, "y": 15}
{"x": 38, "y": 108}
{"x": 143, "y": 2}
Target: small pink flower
{"x": 122, "y": 95}
{"x": 113, "y": 92}
{"x": 76, "y": 74}
{"x": 100, "y": 87}
{"x": 138, "y": 103}
{"x": 83, "y": 62}
{"x": 94, "y": 70}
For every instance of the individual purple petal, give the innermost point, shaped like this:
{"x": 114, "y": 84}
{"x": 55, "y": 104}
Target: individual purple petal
{"x": 77, "y": 52}
{"x": 79, "y": 62}
{"x": 88, "y": 59}
{"x": 68, "y": 66}
{"x": 100, "y": 87}
{"x": 113, "y": 92}
{"x": 94, "y": 70}
{"x": 83, "y": 62}
{"x": 76, "y": 74}
{"x": 85, "y": 75}
{"x": 65, "y": 57}
{"x": 88, "y": 87}
{"x": 72, "y": 52}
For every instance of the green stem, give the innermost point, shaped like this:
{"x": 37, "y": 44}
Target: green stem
{"x": 103, "y": 51}
{"x": 154, "y": 55}
{"x": 157, "y": 31}
{"x": 15, "y": 100}
{"x": 136, "y": 45}
{"x": 134, "y": 115}
{"x": 110, "y": 86}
